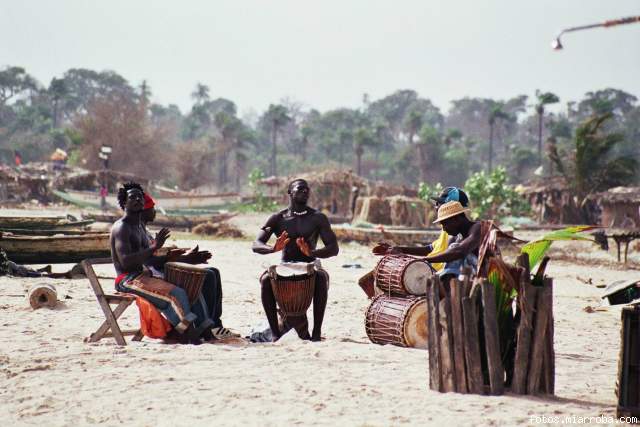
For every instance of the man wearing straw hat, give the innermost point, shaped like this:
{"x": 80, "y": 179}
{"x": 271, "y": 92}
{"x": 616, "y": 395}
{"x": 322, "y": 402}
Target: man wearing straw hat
{"x": 463, "y": 251}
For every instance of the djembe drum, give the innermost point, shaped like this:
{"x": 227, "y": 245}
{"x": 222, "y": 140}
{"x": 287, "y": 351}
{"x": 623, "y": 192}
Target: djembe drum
{"x": 186, "y": 276}
{"x": 293, "y": 285}
{"x": 403, "y": 275}
{"x": 397, "y": 321}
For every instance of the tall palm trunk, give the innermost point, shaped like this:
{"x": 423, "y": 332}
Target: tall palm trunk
{"x": 491, "y": 146}
{"x": 274, "y": 134}
{"x": 540, "y": 116}
{"x": 422, "y": 156}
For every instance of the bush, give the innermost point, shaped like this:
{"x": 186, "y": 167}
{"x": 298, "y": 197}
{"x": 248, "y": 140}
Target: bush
{"x": 491, "y": 197}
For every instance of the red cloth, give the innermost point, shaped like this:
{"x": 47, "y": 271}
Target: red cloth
{"x": 148, "y": 202}
{"x": 152, "y": 323}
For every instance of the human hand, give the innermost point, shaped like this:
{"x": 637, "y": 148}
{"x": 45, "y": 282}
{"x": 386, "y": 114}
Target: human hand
{"x": 161, "y": 238}
{"x": 195, "y": 256}
{"x": 381, "y": 248}
{"x": 304, "y": 246}
{"x": 281, "y": 242}
{"x": 175, "y": 254}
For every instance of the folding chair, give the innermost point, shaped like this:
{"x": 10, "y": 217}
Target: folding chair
{"x": 111, "y": 316}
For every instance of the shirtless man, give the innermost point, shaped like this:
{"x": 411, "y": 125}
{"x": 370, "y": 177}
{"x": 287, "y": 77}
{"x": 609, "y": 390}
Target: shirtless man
{"x": 297, "y": 229}
{"x": 131, "y": 251}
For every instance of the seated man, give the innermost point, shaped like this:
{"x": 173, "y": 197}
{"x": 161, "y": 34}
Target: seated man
{"x": 297, "y": 229}
{"x": 463, "y": 252}
{"x": 211, "y": 297}
{"x": 131, "y": 250}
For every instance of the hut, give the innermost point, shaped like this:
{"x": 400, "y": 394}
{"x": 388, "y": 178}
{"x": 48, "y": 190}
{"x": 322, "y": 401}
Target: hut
{"x": 334, "y": 192}
{"x": 549, "y": 200}
{"x": 619, "y": 207}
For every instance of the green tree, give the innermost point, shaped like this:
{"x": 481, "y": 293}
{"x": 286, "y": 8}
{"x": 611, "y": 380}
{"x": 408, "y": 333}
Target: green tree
{"x": 497, "y": 113}
{"x": 590, "y": 167}
{"x": 362, "y": 138}
{"x": 276, "y": 116}
{"x": 493, "y": 197}
{"x": 543, "y": 99}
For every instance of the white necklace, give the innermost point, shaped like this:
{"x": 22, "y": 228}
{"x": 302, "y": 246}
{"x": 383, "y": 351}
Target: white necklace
{"x": 304, "y": 212}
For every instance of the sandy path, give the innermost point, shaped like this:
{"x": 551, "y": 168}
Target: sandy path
{"x": 50, "y": 376}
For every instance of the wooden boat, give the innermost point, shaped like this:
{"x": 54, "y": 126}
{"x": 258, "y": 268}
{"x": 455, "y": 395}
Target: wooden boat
{"x": 58, "y": 249}
{"x": 172, "y": 221}
{"x": 176, "y": 202}
{"x": 48, "y": 232}
{"x": 399, "y": 236}
{"x": 40, "y": 222}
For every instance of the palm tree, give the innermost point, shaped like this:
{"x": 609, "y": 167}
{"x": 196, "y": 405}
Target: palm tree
{"x": 277, "y": 116}
{"x": 590, "y": 169}
{"x": 362, "y": 138}
{"x": 413, "y": 123}
{"x": 545, "y": 98}
{"x": 305, "y": 133}
{"x": 200, "y": 94}
{"x": 497, "y": 112}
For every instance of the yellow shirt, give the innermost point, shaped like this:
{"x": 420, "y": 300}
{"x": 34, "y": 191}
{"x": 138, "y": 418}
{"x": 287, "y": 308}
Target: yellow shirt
{"x": 439, "y": 246}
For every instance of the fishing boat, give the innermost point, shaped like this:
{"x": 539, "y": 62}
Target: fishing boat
{"x": 177, "y": 221}
{"x": 57, "y": 249}
{"x": 169, "y": 203}
{"x": 40, "y": 222}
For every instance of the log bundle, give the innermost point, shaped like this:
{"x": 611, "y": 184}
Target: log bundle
{"x": 465, "y": 354}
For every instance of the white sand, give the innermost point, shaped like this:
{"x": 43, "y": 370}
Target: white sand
{"x": 51, "y": 377}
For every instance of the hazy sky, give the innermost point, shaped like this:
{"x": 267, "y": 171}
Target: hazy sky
{"x": 327, "y": 54}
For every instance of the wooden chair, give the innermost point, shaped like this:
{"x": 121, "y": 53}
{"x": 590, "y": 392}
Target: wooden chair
{"x": 110, "y": 326}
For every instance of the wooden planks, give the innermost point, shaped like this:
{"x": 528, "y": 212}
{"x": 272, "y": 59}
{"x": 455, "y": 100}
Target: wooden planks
{"x": 492, "y": 338}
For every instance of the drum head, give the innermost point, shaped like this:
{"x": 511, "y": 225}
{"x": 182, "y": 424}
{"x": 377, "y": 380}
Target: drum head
{"x": 415, "y": 278}
{"x": 415, "y": 325}
{"x": 290, "y": 269}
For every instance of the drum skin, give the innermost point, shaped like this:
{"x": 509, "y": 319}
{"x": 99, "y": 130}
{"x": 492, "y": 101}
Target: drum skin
{"x": 402, "y": 275}
{"x": 398, "y": 321}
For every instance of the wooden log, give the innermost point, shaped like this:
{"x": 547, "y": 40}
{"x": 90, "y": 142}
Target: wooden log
{"x": 538, "y": 342}
{"x": 457, "y": 323}
{"x": 492, "y": 338}
{"x": 446, "y": 346}
{"x": 472, "y": 346}
{"x": 549, "y": 362}
{"x": 433, "y": 323}
{"x": 526, "y": 305}
{"x": 466, "y": 281}
{"x": 43, "y": 295}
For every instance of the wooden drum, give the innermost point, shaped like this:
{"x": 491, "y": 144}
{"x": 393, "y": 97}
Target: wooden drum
{"x": 186, "y": 276}
{"x": 397, "y": 321}
{"x": 403, "y": 275}
{"x": 293, "y": 285}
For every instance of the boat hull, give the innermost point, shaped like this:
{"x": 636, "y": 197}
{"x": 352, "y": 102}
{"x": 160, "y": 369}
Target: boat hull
{"x": 55, "y": 249}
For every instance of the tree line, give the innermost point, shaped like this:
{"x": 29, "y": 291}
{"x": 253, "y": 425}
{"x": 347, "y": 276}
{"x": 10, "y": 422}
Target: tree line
{"x": 402, "y": 138}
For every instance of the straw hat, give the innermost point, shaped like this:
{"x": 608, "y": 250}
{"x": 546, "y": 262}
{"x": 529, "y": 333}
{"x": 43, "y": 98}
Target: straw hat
{"x": 448, "y": 210}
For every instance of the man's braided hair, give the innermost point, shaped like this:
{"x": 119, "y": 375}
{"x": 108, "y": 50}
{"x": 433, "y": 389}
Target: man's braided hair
{"x": 122, "y": 192}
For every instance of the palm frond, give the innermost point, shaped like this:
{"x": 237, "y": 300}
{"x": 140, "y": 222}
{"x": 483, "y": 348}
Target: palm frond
{"x": 537, "y": 248}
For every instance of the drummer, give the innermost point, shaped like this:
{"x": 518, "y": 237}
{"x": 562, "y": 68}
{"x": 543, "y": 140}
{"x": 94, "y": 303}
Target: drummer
{"x": 211, "y": 288}
{"x": 441, "y": 244}
{"x": 297, "y": 229}
{"x": 132, "y": 251}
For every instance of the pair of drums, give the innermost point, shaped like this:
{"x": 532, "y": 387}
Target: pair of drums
{"x": 398, "y": 315}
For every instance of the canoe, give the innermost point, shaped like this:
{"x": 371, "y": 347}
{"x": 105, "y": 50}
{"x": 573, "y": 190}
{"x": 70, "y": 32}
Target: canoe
{"x": 40, "y": 222}
{"x": 397, "y": 236}
{"x": 49, "y": 232}
{"x": 176, "y": 221}
{"x": 182, "y": 201}
{"x": 55, "y": 249}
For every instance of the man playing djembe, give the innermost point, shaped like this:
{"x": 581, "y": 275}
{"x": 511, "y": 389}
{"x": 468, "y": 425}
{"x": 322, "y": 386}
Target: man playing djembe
{"x": 133, "y": 253}
{"x": 297, "y": 229}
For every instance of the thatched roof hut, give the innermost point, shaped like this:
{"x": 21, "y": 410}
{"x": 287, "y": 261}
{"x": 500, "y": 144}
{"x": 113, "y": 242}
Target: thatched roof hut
{"x": 620, "y": 207}
{"x": 549, "y": 199}
{"x": 333, "y": 191}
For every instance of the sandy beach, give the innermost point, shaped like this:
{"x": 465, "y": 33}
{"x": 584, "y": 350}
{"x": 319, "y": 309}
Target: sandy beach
{"x": 50, "y": 376}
